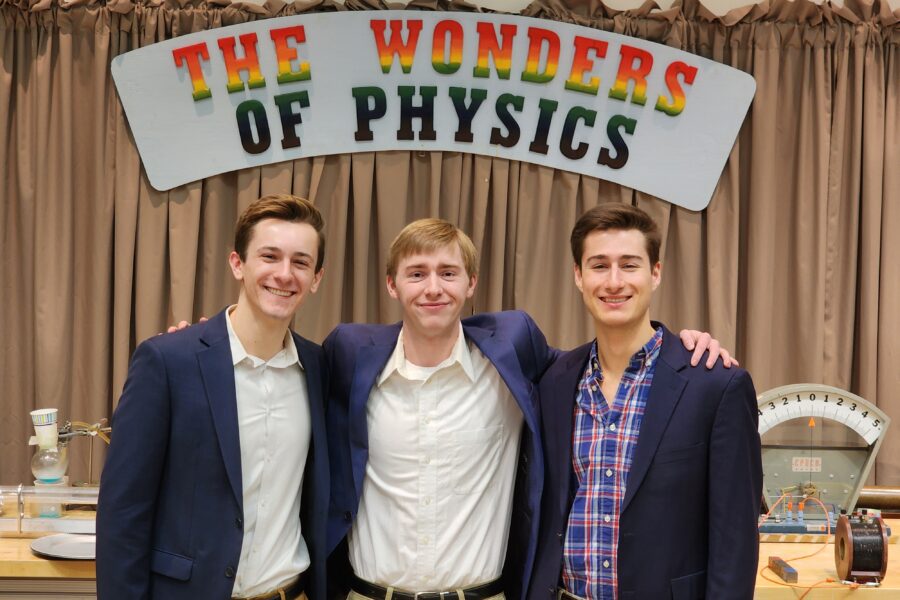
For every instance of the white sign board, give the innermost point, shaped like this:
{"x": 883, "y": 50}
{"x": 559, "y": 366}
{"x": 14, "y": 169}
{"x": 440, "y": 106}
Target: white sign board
{"x": 622, "y": 109}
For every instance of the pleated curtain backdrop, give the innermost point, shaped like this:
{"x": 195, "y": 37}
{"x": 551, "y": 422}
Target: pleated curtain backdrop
{"x": 795, "y": 265}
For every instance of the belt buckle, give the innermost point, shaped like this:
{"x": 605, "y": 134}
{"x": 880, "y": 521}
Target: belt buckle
{"x": 439, "y": 595}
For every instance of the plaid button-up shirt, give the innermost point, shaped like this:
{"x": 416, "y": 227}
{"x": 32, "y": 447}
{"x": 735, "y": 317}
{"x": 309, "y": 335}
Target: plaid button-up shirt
{"x": 603, "y": 444}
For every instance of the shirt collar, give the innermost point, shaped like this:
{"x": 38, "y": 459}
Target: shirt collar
{"x": 286, "y": 357}
{"x": 645, "y": 356}
{"x": 459, "y": 354}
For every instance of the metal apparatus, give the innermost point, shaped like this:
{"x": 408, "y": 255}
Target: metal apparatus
{"x": 818, "y": 443}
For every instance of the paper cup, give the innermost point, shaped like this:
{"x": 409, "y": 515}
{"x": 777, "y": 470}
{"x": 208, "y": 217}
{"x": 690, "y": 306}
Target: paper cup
{"x": 44, "y": 420}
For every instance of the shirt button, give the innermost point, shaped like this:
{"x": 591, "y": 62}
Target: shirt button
{"x": 606, "y": 564}
{"x": 607, "y": 518}
{"x": 612, "y": 427}
{"x": 239, "y": 523}
{"x": 609, "y": 472}
{"x": 229, "y": 572}
{"x": 427, "y": 501}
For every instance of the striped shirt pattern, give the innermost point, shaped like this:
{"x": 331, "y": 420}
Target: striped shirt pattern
{"x": 603, "y": 443}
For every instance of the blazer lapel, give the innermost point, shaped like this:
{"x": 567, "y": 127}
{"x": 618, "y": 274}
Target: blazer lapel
{"x": 665, "y": 392}
{"x": 558, "y": 416}
{"x": 217, "y": 370}
{"x": 369, "y": 364}
{"x": 502, "y": 355}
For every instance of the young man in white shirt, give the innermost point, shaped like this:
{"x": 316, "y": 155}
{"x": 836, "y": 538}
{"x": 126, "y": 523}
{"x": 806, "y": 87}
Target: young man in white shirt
{"x": 216, "y": 484}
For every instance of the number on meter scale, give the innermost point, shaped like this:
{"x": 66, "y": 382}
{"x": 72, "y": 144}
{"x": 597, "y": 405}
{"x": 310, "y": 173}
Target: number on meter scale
{"x": 819, "y": 401}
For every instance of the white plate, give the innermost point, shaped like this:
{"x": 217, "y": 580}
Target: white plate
{"x": 66, "y": 545}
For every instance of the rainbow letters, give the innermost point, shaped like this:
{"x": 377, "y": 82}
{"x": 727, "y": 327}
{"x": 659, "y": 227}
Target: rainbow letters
{"x": 602, "y": 104}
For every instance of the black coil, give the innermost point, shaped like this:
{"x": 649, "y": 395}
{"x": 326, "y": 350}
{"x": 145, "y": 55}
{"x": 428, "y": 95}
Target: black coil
{"x": 860, "y": 551}
{"x": 868, "y": 546}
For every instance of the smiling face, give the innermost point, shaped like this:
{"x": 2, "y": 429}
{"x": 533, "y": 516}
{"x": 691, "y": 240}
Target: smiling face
{"x": 279, "y": 269}
{"x": 432, "y": 288}
{"x": 616, "y": 278}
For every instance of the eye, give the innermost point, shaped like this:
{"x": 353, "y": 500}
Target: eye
{"x": 302, "y": 264}
{"x": 449, "y": 274}
{"x": 630, "y": 267}
{"x": 599, "y": 267}
{"x": 268, "y": 256}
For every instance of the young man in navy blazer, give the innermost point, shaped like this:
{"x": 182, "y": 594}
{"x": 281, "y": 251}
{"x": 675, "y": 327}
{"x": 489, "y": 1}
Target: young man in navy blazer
{"x": 653, "y": 473}
{"x": 433, "y": 431}
{"x": 216, "y": 484}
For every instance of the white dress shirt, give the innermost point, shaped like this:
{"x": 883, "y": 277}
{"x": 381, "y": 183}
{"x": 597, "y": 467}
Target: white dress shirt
{"x": 274, "y": 426}
{"x": 438, "y": 489}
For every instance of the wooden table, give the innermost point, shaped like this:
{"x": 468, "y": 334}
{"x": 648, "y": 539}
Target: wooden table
{"x": 21, "y": 573}
{"x": 818, "y": 567}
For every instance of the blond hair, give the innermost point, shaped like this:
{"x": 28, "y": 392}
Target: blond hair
{"x": 428, "y": 235}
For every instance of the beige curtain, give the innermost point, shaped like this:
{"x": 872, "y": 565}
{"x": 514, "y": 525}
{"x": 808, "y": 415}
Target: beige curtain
{"x": 795, "y": 265}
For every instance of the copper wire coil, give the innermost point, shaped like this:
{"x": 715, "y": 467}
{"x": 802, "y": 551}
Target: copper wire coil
{"x": 860, "y": 549}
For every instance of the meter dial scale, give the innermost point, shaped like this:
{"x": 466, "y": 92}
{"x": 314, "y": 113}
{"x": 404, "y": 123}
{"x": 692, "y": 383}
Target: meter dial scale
{"x": 814, "y": 400}
{"x": 803, "y": 458}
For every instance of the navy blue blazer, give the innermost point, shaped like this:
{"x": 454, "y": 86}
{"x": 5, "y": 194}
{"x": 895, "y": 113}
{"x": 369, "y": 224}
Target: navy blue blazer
{"x": 357, "y": 354}
{"x": 170, "y": 513}
{"x": 688, "y": 525}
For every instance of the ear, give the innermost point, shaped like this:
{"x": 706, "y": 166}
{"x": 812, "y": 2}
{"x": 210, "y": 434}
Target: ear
{"x": 237, "y": 265}
{"x": 577, "y": 273}
{"x": 317, "y": 279}
{"x": 473, "y": 281}
{"x": 391, "y": 287}
{"x": 656, "y": 275}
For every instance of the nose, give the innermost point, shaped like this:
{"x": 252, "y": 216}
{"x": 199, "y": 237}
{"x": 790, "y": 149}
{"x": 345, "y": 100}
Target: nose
{"x": 283, "y": 270}
{"x": 433, "y": 284}
{"x": 615, "y": 277}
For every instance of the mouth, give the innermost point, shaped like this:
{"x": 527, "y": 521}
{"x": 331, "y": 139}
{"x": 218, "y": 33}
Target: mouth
{"x": 432, "y": 306}
{"x": 279, "y": 293}
{"x": 614, "y": 300}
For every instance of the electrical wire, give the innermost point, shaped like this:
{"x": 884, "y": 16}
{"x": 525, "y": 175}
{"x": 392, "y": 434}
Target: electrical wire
{"x": 818, "y": 584}
{"x": 773, "y": 507}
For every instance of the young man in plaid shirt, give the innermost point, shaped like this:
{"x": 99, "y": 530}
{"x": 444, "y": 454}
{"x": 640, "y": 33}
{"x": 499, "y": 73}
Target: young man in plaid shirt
{"x": 653, "y": 475}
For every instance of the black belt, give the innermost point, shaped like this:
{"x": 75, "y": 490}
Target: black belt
{"x": 289, "y": 592}
{"x": 478, "y": 592}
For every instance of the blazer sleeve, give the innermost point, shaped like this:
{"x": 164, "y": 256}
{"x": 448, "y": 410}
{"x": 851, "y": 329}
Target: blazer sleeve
{"x": 544, "y": 354}
{"x": 735, "y": 490}
{"x": 131, "y": 479}
{"x": 342, "y": 493}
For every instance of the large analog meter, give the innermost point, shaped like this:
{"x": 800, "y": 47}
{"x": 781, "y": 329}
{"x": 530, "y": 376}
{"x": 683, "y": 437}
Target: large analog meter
{"x": 818, "y": 442}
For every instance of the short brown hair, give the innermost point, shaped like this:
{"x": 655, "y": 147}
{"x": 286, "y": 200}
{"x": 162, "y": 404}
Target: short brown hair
{"x": 614, "y": 215}
{"x": 283, "y": 207}
{"x": 427, "y": 235}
